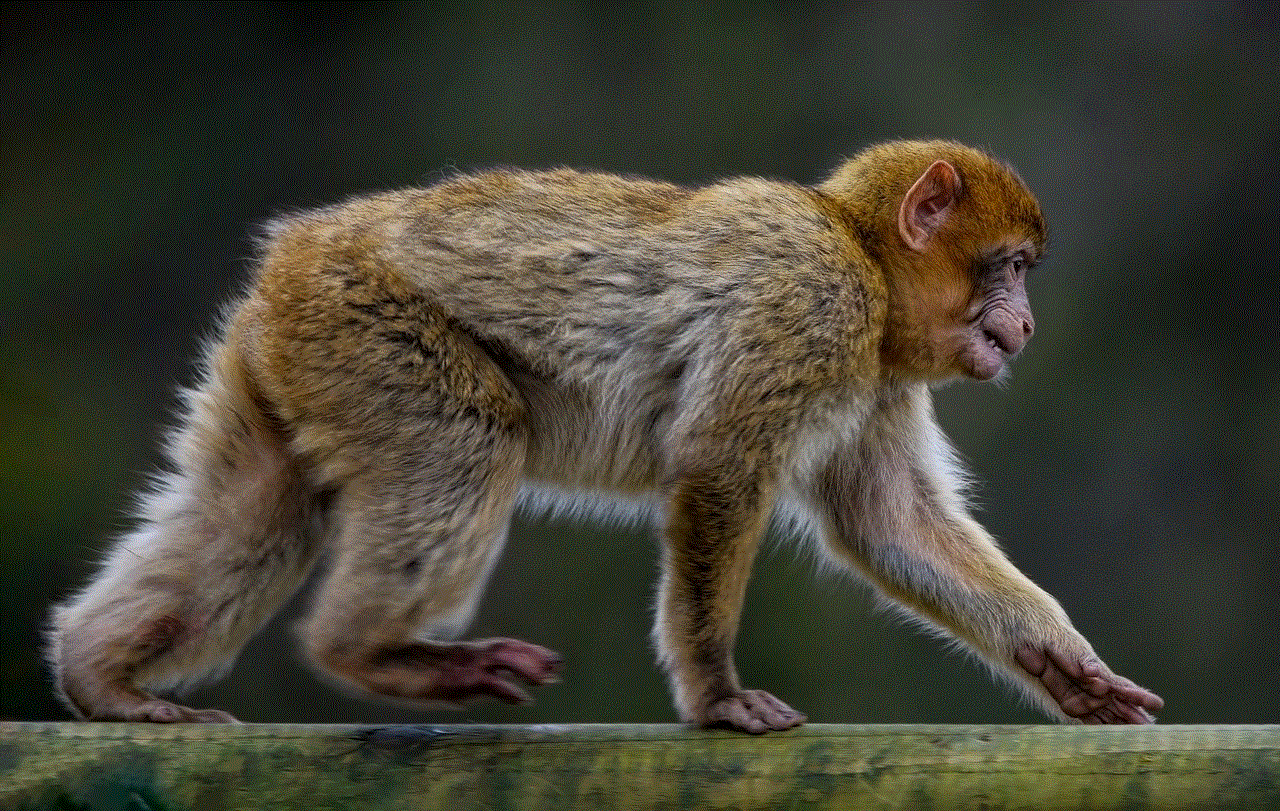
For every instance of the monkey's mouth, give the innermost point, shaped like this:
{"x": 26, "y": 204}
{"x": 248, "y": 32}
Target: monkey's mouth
{"x": 1001, "y": 342}
{"x": 984, "y": 357}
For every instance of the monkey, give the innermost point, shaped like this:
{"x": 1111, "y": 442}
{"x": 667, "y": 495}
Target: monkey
{"x": 407, "y": 368}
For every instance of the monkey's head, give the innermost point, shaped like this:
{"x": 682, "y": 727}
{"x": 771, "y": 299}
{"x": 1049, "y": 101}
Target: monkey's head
{"x": 955, "y": 231}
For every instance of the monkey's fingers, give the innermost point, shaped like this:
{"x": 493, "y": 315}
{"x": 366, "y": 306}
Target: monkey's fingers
{"x": 1087, "y": 690}
{"x": 1130, "y": 693}
{"x": 1077, "y": 693}
{"x": 753, "y": 711}
{"x": 1130, "y": 704}
{"x": 1104, "y": 715}
{"x": 1128, "y": 699}
{"x": 1119, "y": 712}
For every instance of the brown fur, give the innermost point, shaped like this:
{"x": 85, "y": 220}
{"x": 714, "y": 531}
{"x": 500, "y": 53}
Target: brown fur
{"x": 406, "y": 362}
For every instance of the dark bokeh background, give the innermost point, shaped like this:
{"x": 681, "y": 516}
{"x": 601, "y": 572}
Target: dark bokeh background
{"x": 1131, "y": 466}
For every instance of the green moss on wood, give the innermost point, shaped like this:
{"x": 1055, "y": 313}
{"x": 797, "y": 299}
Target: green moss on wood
{"x": 113, "y": 767}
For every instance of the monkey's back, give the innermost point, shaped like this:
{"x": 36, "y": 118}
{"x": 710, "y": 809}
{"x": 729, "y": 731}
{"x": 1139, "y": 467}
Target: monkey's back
{"x": 597, "y": 296}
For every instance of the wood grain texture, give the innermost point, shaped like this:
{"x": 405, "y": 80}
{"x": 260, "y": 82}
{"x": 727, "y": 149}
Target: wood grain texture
{"x": 106, "y": 767}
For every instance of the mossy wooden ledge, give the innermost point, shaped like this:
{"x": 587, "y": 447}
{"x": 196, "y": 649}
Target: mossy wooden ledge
{"x": 106, "y": 767}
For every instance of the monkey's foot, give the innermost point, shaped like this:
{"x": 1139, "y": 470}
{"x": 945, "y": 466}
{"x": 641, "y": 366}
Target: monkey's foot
{"x": 1087, "y": 690}
{"x": 753, "y": 711}
{"x": 486, "y": 667}
{"x": 159, "y": 711}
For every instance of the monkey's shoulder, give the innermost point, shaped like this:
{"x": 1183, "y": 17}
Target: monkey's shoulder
{"x": 814, "y": 292}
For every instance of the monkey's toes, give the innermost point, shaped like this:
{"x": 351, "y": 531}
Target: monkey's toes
{"x": 753, "y": 711}
{"x": 158, "y": 711}
{"x": 532, "y": 663}
{"x": 486, "y": 668}
{"x": 213, "y": 717}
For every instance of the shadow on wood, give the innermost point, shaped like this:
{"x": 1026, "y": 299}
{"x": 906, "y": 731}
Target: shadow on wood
{"x": 113, "y": 767}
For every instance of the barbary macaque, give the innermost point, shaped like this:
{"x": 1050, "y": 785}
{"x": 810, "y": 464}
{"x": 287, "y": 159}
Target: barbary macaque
{"x": 408, "y": 366}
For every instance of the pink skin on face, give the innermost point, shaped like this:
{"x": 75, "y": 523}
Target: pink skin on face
{"x": 999, "y": 321}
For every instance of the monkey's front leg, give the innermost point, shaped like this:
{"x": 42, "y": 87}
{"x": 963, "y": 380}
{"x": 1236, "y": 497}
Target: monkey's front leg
{"x": 894, "y": 512}
{"x": 713, "y": 529}
{"x": 950, "y": 571}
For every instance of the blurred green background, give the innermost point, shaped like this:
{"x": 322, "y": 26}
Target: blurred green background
{"x": 1131, "y": 466}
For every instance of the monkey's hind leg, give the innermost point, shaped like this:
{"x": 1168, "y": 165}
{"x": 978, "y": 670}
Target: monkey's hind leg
{"x": 414, "y": 555}
{"x": 223, "y": 540}
{"x": 420, "y": 533}
{"x": 421, "y": 514}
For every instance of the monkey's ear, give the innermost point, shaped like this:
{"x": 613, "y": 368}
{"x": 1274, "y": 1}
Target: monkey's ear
{"x": 927, "y": 204}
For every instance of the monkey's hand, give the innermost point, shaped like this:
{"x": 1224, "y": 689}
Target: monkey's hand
{"x": 1086, "y": 689}
{"x": 753, "y": 711}
{"x": 465, "y": 670}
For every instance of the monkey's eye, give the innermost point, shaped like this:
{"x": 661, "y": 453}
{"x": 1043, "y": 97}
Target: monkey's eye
{"x": 1018, "y": 265}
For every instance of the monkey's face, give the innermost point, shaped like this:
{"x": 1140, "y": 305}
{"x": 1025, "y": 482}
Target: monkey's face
{"x": 997, "y": 320}
{"x": 956, "y": 269}
{"x": 961, "y": 312}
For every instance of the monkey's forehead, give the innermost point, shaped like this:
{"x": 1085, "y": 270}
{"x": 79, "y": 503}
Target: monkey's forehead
{"x": 1004, "y": 201}
{"x": 1027, "y": 218}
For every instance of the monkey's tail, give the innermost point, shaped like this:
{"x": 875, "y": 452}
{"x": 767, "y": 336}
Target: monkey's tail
{"x": 223, "y": 539}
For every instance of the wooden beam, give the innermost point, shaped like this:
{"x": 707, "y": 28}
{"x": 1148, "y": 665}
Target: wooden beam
{"x": 114, "y": 767}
